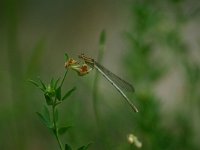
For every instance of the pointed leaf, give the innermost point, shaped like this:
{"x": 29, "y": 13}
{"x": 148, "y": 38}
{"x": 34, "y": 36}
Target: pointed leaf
{"x": 46, "y": 113}
{"x": 44, "y": 121}
{"x": 36, "y": 84}
{"x": 49, "y": 100}
{"x": 58, "y": 93}
{"x": 41, "y": 117}
{"x": 33, "y": 82}
{"x": 52, "y": 83}
{"x": 88, "y": 145}
{"x": 66, "y": 57}
{"x": 67, "y": 147}
{"x": 68, "y": 93}
{"x": 42, "y": 83}
{"x": 56, "y": 83}
{"x": 63, "y": 130}
{"x": 81, "y": 148}
{"x": 84, "y": 147}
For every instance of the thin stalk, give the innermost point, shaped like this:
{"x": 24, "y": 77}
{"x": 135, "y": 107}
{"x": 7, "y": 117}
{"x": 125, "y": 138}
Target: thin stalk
{"x": 15, "y": 70}
{"x": 95, "y": 97}
{"x": 96, "y": 79}
{"x": 64, "y": 78}
{"x": 54, "y": 115}
{"x": 56, "y": 128}
{"x": 100, "y": 132}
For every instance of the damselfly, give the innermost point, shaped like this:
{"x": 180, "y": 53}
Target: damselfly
{"x": 116, "y": 81}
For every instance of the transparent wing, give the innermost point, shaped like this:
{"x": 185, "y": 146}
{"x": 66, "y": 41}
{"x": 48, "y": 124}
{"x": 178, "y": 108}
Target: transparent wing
{"x": 124, "y": 85}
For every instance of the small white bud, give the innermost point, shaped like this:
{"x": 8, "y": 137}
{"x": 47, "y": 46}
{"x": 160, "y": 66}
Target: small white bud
{"x": 132, "y": 139}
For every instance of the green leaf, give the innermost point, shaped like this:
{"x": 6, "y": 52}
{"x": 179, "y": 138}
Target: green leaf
{"x": 67, "y": 147}
{"x": 44, "y": 120}
{"x": 85, "y": 147}
{"x": 36, "y": 84}
{"x": 52, "y": 83}
{"x": 66, "y": 57}
{"x": 58, "y": 93}
{"x": 56, "y": 83}
{"x": 42, "y": 83}
{"x": 46, "y": 113}
{"x": 81, "y": 148}
{"x": 68, "y": 93}
{"x": 33, "y": 82}
{"x": 49, "y": 100}
{"x": 62, "y": 130}
{"x": 88, "y": 145}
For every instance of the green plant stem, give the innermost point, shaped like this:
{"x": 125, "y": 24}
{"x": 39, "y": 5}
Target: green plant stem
{"x": 54, "y": 115}
{"x": 64, "y": 78}
{"x": 56, "y": 128}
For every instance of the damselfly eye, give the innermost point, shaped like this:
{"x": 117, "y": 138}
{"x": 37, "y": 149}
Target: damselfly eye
{"x": 80, "y": 56}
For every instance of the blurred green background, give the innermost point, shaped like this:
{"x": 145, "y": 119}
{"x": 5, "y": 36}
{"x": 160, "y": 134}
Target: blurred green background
{"x": 152, "y": 44}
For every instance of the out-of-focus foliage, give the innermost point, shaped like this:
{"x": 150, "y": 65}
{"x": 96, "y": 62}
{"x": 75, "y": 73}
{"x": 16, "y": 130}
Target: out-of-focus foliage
{"x": 155, "y": 39}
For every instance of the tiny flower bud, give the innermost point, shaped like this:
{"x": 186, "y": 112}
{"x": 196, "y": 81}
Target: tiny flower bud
{"x": 84, "y": 69}
{"x": 70, "y": 62}
{"x": 132, "y": 139}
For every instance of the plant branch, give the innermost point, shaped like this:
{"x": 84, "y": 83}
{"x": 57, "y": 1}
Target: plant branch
{"x": 64, "y": 78}
{"x": 55, "y": 129}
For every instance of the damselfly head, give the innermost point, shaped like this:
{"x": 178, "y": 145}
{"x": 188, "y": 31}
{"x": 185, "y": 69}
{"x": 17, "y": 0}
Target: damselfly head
{"x": 86, "y": 59}
{"x": 82, "y": 56}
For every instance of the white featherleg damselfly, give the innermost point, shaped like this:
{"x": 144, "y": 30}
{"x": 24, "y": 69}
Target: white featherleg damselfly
{"x": 116, "y": 81}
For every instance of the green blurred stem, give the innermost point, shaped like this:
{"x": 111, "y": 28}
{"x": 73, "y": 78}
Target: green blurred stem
{"x": 18, "y": 102}
{"x": 96, "y": 79}
{"x": 55, "y": 127}
{"x": 95, "y": 91}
